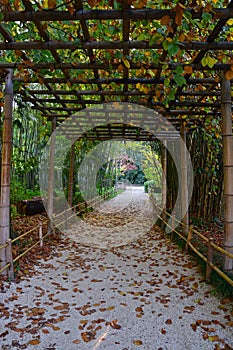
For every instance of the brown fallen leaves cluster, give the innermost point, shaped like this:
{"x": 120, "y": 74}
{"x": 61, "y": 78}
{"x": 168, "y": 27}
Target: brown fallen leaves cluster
{"x": 110, "y": 220}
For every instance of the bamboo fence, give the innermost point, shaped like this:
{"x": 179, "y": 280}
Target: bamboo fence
{"x": 211, "y": 246}
{"x": 65, "y": 217}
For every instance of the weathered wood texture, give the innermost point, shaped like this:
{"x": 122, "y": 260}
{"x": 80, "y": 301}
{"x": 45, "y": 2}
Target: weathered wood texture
{"x": 6, "y": 168}
{"x": 228, "y": 169}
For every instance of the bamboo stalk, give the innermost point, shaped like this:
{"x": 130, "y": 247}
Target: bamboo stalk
{"x": 51, "y": 174}
{"x": 40, "y": 234}
{"x": 188, "y": 239}
{"x": 184, "y": 183}
{"x": 164, "y": 180}
{"x": 209, "y": 260}
{"x": 9, "y": 258}
{"x": 228, "y": 169}
{"x": 71, "y": 175}
{"x": 5, "y": 168}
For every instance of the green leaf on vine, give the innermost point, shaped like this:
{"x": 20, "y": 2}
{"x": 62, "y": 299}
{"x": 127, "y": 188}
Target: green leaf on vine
{"x": 208, "y": 61}
{"x": 179, "y": 79}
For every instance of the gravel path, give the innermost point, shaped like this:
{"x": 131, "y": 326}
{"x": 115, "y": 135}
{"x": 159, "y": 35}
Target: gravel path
{"x": 143, "y": 295}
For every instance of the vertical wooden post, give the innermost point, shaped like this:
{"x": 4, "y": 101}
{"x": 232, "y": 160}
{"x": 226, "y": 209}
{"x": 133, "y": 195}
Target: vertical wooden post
{"x": 173, "y": 228}
{"x": 41, "y": 234}
{"x": 5, "y": 168}
{"x": 228, "y": 169}
{"x": 9, "y": 259}
{"x": 51, "y": 172}
{"x": 164, "y": 180}
{"x": 184, "y": 183}
{"x": 188, "y": 240}
{"x": 71, "y": 175}
{"x": 209, "y": 260}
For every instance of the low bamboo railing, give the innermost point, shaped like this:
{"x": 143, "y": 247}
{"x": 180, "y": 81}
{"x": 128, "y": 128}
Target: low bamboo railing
{"x": 210, "y": 245}
{"x": 83, "y": 207}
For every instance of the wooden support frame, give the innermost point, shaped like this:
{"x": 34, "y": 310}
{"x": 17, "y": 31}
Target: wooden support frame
{"x": 164, "y": 180}
{"x": 210, "y": 254}
{"x": 6, "y": 168}
{"x": 228, "y": 169}
{"x": 71, "y": 175}
{"x": 9, "y": 259}
{"x": 184, "y": 182}
{"x": 51, "y": 172}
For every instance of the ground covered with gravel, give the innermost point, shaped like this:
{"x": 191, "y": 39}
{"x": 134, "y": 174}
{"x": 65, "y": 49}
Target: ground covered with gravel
{"x": 141, "y": 293}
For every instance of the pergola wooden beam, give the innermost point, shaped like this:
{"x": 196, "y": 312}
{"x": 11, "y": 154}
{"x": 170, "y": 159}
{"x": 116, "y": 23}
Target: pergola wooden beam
{"x": 84, "y": 102}
{"x": 117, "y": 44}
{"x": 122, "y": 81}
{"x": 134, "y": 15}
{"x": 120, "y": 93}
{"x": 106, "y": 66}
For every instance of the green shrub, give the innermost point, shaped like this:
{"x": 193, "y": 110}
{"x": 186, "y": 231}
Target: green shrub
{"x": 151, "y": 186}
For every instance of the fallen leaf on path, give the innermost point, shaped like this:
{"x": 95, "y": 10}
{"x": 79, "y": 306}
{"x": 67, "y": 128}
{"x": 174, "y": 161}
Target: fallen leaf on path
{"x": 60, "y": 307}
{"x": 169, "y": 321}
{"x": 88, "y": 336}
{"x": 76, "y": 341}
{"x": 34, "y": 342}
{"x": 114, "y": 324}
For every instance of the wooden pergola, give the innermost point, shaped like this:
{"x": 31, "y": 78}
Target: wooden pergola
{"x": 173, "y": 57}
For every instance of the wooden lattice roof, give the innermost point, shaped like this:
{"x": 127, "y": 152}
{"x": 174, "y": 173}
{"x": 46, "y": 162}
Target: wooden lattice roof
{"x": 68, "y": 55}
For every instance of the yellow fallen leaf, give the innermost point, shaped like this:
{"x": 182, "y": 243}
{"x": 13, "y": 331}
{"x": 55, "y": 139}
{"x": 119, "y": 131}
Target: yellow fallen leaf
{"x": 83, "y": 321}
{"x": 34, "y": 342}
{"x": 110, "y": 308}
{"x": 213, "y": 338}
{"x": 137, "y": 342}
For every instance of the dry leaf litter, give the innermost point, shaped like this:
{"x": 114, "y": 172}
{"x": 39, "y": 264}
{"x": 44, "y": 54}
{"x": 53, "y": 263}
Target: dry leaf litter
{"x": 143, "y": 294}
